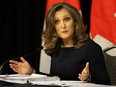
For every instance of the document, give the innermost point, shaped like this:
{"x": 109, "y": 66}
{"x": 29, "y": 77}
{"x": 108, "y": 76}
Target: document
{"x": 38, "y": 79}
{"x": 22, "y": 79}
{"x": 65, "y": 83}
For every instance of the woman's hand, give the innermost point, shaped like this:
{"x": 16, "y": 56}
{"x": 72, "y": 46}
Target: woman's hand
{"x": 21, "y": 67}
{"x": 85, "y": 74}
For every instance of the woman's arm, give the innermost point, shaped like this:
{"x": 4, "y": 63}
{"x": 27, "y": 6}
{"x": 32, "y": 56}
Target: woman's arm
{"x": 98, "y": 70}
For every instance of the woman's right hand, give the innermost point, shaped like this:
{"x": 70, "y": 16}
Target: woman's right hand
{"x": 21, "y": 67}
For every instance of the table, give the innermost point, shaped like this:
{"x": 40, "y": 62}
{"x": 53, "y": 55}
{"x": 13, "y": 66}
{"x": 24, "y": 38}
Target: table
{"x": 36, "y": 80}
{"x": 59, "y": 84}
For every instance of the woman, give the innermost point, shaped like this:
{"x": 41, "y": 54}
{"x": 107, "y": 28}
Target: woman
{"x": 70, "y": 48}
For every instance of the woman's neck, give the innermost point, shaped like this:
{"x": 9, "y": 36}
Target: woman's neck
{"x": 67, "y": 43}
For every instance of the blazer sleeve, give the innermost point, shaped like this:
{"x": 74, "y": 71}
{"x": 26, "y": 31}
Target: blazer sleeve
{"x": 97, "y": 67}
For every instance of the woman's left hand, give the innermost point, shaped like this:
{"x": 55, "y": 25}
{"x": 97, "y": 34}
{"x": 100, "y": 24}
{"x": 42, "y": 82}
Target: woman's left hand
{"x": 85, "y": 73}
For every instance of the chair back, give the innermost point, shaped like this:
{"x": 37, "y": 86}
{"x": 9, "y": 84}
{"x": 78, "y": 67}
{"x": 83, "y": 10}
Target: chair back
{"x": 110, "y": 62}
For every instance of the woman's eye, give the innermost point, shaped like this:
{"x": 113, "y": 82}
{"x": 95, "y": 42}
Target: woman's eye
{"x": 56, "y": 21}
{"x": 67, "y": 19}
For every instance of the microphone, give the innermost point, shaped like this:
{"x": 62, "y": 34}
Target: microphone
{"x": 2, "y": 66}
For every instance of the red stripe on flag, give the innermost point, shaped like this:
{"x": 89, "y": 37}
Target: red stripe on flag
{"x": 103, "y": 19}
{"x": 75, "y": 3}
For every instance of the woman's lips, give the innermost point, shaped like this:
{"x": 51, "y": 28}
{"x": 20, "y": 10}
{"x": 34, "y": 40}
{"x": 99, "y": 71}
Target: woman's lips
{"x": 64, "y": 31}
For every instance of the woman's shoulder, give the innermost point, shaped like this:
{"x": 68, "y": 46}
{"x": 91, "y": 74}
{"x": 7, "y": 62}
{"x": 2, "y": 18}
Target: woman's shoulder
{"x": 93, "y": 49}
{"x": 89, "y": 41}
{"x": 92, "y": 44}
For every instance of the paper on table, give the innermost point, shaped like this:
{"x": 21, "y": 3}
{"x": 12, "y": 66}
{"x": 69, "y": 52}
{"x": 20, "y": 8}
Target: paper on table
{"x": 14, "y": 78}
{"x": 17, "y": 78}
{"x": 70, "y": 84}
{"x": 38, "y": 79}
{"x": 57, "y": 83}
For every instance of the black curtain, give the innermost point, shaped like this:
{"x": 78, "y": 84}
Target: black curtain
{"x": 86, "y": 10}
{"x": 20, "y": 31}
{"x": 21, "y": 26}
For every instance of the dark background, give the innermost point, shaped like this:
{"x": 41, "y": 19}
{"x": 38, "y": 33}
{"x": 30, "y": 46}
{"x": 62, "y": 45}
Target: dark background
{"x": 21, "y": 26}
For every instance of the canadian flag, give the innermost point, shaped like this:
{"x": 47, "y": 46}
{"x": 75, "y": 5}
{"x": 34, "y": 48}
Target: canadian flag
{"x": 103, "y": 22}
{"x": 75, "y": 3}
{"x": 45, "y": 60}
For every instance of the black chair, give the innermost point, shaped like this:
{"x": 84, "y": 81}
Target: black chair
{"x": 110, "y": 62}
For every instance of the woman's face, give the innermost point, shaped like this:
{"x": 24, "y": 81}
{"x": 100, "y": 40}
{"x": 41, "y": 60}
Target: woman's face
{"x": 64, "y": 24}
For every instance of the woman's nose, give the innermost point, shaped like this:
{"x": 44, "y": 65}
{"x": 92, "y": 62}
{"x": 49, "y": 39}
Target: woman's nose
{"x": 63, "y": 25}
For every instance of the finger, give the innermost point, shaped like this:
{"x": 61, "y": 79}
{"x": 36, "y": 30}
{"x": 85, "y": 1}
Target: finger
{"x": 14, "y": 67}
{"x": 14, "y": 62}
{"x": 87, "y": 65}
{"x": 16, "y": 70}
{"x": 23, "y": 60}
{"x": 85, "y": 71}
{"x": 81, "y": 77}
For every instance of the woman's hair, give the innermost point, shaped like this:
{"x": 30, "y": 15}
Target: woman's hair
{"x": 52, "y": 42}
